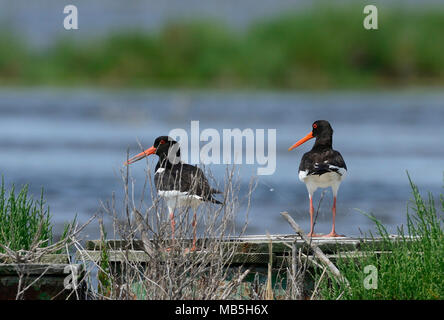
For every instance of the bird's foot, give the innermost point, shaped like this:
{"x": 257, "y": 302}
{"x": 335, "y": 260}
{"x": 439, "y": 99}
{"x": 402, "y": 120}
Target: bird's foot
{"x": 333, "y": 235}
{"x": 313, "y": 235}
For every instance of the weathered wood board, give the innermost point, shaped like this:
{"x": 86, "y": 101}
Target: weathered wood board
{"x": 43, "y": 281}
{"x": 252, "y": 249}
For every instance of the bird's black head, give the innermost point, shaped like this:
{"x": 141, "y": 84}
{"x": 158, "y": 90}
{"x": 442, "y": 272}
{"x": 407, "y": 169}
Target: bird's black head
{"x": 165, "y": 147}
{"x": 322, "y": 131}
{"x": 164, "y": 144}
{"x": 321, "y": 128}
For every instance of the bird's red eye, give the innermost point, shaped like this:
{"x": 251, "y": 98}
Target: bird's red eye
{"x": 162, "y": 141}
{"x": 315, "y": 125}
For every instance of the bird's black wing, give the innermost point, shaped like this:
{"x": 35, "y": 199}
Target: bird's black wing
{"x": 195, "y": 182}
{"x": 322, "y": 162}
{"x": 186, "y": 178}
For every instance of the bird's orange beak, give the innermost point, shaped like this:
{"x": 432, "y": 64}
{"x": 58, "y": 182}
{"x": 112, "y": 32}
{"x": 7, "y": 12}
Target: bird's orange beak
{"x": 141, "y": 155}
{"x": 303, "y": 140}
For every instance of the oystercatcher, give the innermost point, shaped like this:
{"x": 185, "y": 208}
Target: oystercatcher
{"x": 181, "y": 185}
{"x": 321, "y": 167}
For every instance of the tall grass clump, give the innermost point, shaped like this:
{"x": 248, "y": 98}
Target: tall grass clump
{"x": 409, "y": 266}
{"x": 23, "y": 220}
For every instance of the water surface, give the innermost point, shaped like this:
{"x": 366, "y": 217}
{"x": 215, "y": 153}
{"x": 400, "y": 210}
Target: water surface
{"x": 73, "y": 143}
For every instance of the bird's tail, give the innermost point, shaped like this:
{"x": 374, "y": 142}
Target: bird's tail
{"x": 215, "y": 201}
{"x": 215, "y": 191}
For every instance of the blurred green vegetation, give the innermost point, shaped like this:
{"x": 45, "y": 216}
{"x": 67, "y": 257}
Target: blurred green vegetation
{"x": 321, "y": 48}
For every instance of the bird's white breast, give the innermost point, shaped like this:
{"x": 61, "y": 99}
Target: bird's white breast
{"x": 178, "y": 199}
{"x": 328, "y": 179}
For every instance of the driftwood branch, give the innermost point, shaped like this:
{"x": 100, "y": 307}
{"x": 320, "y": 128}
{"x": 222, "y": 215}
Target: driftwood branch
{"x": 317, "y": 252}
{"x": 269, "y": 291}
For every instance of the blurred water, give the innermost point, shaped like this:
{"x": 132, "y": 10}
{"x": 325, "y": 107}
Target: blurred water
{"x": 73, "y": 143}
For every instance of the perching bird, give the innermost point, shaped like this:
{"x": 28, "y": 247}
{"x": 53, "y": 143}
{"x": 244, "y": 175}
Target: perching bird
{"x": 181, "y": 185}
{"x": 321, "y": 167}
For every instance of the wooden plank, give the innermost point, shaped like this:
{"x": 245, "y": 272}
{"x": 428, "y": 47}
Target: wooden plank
{"x": 259, "y": 243}
{"x": 38, "y": 268}
{"x": 252, "y": 258}
{"x": 280, "y": 246}
{"x": 45, "y": 259}
{"x": 43, "y": 281}
{"x": 114, "y": 256}
{"x": 114, "y": 244}
{"x": 136, "y": 256}
{"x": 140, "y": 256}
{"x": 245, "y": 245}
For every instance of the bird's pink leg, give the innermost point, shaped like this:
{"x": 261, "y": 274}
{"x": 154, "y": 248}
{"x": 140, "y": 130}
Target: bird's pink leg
{"x": 311, "y": 233}
{"x": 173, "y": 225}
{"x": 334, "y": 216}
{"x": 194, "y": 231}
{"x": 333, "y": 231}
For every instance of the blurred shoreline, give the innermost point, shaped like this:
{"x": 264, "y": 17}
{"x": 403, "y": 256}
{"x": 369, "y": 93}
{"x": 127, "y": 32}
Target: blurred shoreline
{"x": 311, "y": 49}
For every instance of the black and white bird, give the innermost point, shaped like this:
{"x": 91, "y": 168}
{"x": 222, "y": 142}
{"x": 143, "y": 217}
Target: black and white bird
{"x": 321, "y": 167}
{"x": 181, "y": 185}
